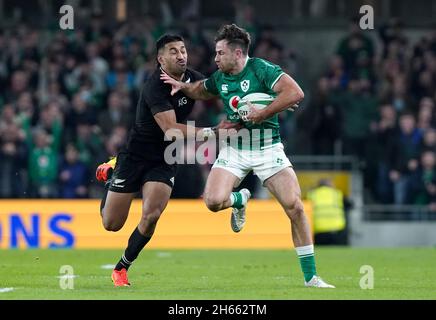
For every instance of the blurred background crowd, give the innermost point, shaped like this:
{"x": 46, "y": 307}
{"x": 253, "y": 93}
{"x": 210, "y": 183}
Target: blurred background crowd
{"x": 68, "y": 98}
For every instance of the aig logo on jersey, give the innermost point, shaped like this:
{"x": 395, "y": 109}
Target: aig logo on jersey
{"x": 225, "y": 88}
{"x": 183, "y": 101}
{"x": 245, "y": 85}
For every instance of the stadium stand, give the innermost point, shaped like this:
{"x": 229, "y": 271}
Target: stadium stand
{"x": 67, "y": 98}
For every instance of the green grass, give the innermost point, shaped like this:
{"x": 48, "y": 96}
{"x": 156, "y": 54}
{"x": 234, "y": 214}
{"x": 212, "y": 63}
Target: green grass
{"x": 220, "y": 274}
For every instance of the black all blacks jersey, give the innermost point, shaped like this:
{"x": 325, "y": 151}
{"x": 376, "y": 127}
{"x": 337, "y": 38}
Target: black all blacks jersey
{"x": 146, "y": 138}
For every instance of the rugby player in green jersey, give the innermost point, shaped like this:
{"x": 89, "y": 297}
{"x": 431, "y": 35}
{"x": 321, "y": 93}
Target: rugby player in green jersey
{"x": 239, "y": 75}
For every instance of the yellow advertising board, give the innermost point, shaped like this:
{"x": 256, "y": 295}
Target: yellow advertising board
{"x": 184, "y": 224}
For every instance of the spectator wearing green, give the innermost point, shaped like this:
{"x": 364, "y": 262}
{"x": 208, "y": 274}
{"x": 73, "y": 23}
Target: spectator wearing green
{"x": 44, "y": 147}
{"x": 359, "y": 109}
{"x": 357, "y": 51}
{"x": 43, "y": 166}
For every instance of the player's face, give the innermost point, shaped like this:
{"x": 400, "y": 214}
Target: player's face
{"x": 226, "y": 57}
{"x": 174, "y": 58}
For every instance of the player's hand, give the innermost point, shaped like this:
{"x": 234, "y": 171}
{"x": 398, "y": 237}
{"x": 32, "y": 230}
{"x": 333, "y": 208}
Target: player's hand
{"x": 176, "y": 85}
{"x": 293, "y": 108}
{"x": 254, "y": 115}
{"x": 230, "y": 128}
{"x": 227, "y": 125}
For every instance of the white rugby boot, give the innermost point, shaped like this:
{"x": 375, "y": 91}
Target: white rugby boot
{"x": 237, "y": 220}
{"x": 317, "y": 282}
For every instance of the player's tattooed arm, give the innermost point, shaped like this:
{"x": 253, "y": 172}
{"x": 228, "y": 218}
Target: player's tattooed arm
{"x": 173, "y": 130}
{"x": 195, "y": 90}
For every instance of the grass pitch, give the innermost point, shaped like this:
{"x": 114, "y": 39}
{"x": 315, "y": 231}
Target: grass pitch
{"x": 219, "y": 274}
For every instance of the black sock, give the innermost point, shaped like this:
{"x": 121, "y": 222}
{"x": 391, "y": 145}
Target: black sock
{"x": 136, "y": 243}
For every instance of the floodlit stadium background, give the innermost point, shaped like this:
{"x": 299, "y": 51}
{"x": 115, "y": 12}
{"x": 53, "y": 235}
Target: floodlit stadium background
{"x": 73, "y": 93}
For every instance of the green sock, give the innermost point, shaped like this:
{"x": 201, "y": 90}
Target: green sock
{"x": 236, "y": 200}
{"x": 306, "y": 256}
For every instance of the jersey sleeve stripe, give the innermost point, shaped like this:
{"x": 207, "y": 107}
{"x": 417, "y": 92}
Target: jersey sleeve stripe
{"x": 277, "y": 79}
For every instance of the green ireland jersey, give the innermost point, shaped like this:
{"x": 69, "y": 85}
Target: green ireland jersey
{"x": 258, "y": 76}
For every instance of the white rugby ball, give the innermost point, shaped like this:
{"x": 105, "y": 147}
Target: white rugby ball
{"x": 259, "y": 100}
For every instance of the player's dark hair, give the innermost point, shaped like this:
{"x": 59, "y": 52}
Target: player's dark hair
{"x": 167, "y": 38}
{"x": 162, "y": 41}
{"x": 235, "y": 36}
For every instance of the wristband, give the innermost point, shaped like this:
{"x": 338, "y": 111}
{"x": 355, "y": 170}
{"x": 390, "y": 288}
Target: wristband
{"x": 208, "y": 132}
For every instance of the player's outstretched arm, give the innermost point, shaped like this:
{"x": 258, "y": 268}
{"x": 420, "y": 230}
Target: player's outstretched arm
{"x": 288, "y": 92}
{"x": 168, "y": 123}
{"x": 193, "y": 90}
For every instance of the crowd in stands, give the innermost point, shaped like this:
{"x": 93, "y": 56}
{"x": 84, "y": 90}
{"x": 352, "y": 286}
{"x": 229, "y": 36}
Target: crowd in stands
{"x": 68, "y": 99}
{"x": 379, "y": 103}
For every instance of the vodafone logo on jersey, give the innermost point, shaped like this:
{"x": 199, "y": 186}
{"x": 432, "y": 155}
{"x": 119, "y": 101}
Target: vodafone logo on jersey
{"x": 233, "y": 103}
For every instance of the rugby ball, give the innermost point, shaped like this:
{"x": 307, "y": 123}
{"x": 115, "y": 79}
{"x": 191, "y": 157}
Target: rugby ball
{"x": 258, "y": 99}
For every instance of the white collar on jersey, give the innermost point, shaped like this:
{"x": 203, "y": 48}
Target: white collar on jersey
{"x": 246, "y": 61}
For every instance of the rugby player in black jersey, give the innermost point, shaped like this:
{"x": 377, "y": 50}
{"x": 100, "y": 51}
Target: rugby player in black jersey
{"x": 140, "y": 166}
